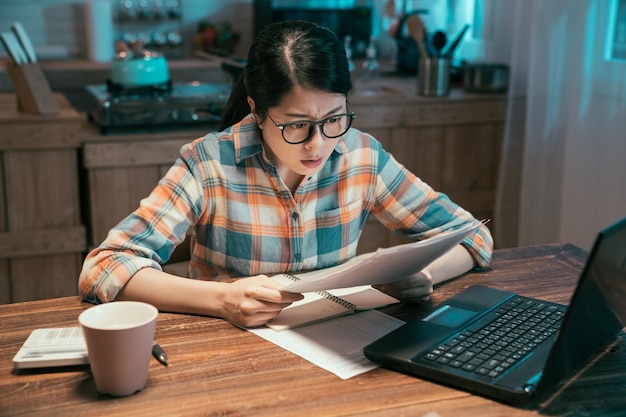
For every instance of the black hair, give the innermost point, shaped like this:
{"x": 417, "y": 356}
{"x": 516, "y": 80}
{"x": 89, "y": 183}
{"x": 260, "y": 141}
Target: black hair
{"x": 285, "y": 55}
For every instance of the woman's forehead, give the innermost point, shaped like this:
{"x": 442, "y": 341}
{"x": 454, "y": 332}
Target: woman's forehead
{"x": 306, "y": 102}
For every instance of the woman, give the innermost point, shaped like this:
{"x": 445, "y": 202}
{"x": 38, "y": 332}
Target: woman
{"x": 286, "y": 185}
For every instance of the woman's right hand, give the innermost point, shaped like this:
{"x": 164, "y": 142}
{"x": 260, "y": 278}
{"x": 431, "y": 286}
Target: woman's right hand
{"x": 247, "y": 302}
{"x": 253, "y": 301}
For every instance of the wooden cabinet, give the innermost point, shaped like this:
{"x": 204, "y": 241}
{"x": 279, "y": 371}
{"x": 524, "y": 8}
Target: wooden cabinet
{"x": 123, "y": 169}
{"x": 453, "y": 143}
{"x": 42, "y": 238}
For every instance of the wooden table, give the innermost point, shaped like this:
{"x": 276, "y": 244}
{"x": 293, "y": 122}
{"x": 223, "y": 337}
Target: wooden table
{"x": 217, "y": 369}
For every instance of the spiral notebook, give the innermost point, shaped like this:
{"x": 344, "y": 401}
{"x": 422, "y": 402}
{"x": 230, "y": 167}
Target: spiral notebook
{"x": 324, "y": 305}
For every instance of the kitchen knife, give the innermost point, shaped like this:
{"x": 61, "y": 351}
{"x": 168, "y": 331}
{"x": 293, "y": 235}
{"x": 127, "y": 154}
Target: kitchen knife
{"x": 14, "y": 48}
{"x": 7, "y": 47}
{"x": 25, "y": 41}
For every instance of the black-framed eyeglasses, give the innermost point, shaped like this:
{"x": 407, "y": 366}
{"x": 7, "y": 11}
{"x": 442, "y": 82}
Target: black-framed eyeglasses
{"x": 299, "y": 131}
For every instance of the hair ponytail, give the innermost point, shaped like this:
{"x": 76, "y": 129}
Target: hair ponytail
{"x": 237, "y": 106}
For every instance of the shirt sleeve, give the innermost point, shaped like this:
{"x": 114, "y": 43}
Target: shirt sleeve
{"x": 409, "y": 206}
{"x": 147, "y": 237}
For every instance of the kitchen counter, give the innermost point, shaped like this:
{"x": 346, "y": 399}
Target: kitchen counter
{"x": 75, "y": 74}
{"x": 71, "y": 76}
{"x": 392, "y": 87}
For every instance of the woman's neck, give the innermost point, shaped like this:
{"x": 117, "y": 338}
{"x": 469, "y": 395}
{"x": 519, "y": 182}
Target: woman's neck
{"x": 291, "y": 178}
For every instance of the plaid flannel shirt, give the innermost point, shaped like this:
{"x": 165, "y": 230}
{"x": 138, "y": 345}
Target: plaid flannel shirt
{"x": 244, "y": 221}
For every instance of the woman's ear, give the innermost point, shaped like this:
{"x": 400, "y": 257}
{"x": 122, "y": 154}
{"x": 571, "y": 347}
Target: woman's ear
{"x": 253, "y": 109}
{"x": 251, "y": 103}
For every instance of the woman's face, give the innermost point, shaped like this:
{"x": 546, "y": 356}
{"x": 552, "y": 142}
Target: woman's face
{"x": 307, "y": 158}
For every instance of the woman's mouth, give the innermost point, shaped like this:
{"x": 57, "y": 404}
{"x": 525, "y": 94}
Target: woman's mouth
{"x": 312, "y": 163}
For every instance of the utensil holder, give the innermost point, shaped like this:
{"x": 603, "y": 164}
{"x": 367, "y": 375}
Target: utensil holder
{"x": 32, "y": 89}
{"x": 433, "y": 77}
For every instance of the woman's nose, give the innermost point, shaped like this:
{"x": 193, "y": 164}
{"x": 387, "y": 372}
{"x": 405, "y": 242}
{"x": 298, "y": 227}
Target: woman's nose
{"x": 317, "y": 137}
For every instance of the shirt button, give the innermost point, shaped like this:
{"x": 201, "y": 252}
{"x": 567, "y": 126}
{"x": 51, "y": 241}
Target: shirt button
{"x": 295, "y": 215}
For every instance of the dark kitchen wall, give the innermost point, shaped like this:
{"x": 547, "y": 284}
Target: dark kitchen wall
{"x": 58, "y": 28}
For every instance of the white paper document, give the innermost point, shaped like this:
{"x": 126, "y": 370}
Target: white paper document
{"x": 382, "y": 266}
{"x": 335, "y": 345}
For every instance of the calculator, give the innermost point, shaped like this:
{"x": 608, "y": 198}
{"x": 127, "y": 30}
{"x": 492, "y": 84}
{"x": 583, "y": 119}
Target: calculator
{"x": 62, "y": 346}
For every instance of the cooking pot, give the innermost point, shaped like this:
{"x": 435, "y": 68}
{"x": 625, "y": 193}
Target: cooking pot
{"x": 485, "y": 77}
{"x": 139, "y": 69}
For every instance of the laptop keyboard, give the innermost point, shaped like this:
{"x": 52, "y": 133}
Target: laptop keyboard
{"x": 520, "y": 325}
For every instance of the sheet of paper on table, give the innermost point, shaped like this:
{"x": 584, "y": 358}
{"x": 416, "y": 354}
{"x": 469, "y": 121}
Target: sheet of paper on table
{"x": 335, "y": 345}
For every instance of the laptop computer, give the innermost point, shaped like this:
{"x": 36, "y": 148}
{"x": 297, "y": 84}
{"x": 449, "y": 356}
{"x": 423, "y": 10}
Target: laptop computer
{"x": 512, "y": 348}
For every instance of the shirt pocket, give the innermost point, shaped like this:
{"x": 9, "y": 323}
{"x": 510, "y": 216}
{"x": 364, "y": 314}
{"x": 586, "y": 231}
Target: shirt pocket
{"x": 338, "y": 232}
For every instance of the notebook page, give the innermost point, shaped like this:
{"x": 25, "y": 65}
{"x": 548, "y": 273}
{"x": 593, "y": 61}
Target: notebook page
{"x": 312, "y": 308}
{"x": 364, "y": 297}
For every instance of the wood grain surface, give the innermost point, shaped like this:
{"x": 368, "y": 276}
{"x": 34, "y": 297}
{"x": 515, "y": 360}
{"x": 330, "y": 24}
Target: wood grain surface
{"x": 217, "y": 369}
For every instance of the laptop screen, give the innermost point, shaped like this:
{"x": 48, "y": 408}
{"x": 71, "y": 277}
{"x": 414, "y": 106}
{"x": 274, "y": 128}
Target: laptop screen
{"x": 597, "y": 310}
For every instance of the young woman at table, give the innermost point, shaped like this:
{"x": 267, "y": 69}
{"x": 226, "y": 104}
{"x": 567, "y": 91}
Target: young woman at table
{"x": 287, "y": 185}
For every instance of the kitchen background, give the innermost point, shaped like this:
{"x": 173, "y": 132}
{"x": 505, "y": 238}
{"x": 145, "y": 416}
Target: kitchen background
{"x": 60, "y": 28}
{"x": 561, "y": 173}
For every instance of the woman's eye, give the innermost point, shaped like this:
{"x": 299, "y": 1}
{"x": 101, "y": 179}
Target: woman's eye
{"x": 297, "y": 126}
{"x": 332, "y": 120}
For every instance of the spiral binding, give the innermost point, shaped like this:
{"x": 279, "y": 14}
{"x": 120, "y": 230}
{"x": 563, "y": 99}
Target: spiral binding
{"x": 327, "y": 295}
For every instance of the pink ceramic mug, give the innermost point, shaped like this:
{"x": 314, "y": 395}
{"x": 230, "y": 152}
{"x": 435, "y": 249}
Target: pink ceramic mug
{"x": 119, "y": 337}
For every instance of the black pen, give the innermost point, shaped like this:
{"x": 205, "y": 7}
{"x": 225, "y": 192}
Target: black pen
{"x": 159, "y": 353}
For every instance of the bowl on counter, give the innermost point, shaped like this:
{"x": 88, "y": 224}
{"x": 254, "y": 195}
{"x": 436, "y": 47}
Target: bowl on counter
{"x": 485, "y": 77}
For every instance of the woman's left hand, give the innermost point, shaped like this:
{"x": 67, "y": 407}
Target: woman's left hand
{"x": 414, "y": 289}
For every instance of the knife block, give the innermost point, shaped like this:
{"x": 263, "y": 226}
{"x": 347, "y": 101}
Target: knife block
{"x": 32, "y": 89}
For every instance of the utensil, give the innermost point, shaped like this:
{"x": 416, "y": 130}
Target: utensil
{"x": 9, "y": 48}
{"x": 439, "y": 40}
{"x": 24, "y": 40}
{"x": 448, "y": 53}
{"x": 390, "y": 8}
{"x": 14, "y": 48}
{"x": 415, "y": 25}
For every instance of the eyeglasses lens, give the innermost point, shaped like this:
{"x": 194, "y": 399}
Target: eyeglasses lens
{"x": 331, "y": 128}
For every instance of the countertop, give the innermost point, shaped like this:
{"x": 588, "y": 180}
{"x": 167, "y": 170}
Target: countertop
{"x": 71, "y": 75}
{"x": 75, "y": 74}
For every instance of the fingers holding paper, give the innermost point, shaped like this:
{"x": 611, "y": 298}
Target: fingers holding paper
{"x": 256, "y": 300}
{"x": 413, "y": 289}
